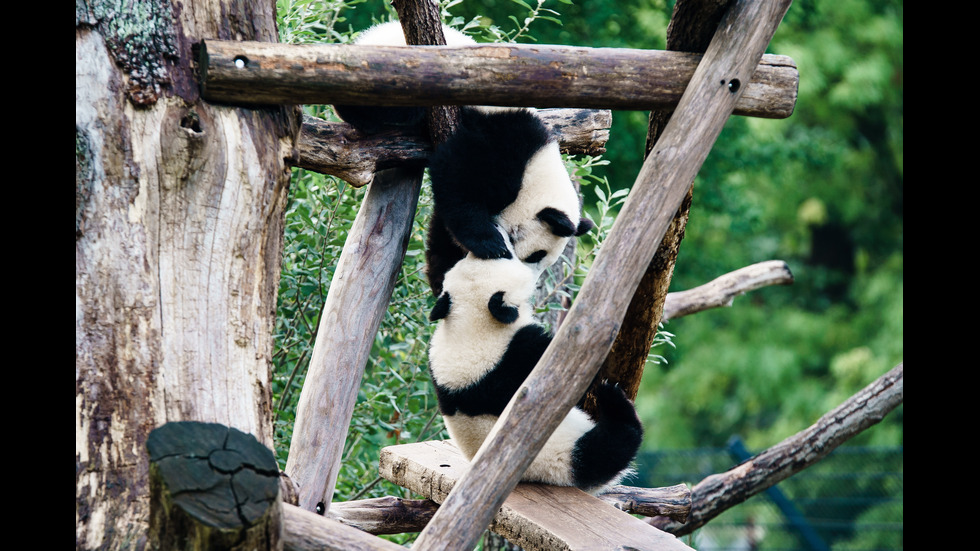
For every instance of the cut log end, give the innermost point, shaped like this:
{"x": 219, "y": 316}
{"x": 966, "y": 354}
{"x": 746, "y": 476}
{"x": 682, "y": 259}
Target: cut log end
{"x": 212, "y": 485}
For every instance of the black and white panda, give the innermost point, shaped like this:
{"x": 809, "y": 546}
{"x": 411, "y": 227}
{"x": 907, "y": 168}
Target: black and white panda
{"x": 483, "y": 348}
{"x": 373, "y": 119}
{"x": 501, "y": 168}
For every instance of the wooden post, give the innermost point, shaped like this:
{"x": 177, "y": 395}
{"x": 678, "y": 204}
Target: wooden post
{"x": 569, "y": 364}
{"x": 356, "y": 302}
{"x": 358, "y": 298}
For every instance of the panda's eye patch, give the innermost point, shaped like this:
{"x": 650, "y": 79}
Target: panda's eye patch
{"x": 535, "y": 257}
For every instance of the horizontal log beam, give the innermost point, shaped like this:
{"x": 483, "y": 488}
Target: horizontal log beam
{"x": 339, "y": 150}
{"x": 255, "y": 73}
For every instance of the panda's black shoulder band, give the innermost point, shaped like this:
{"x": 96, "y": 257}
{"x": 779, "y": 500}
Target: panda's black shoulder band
{"x": 441, "y": 309}
{"x": 502, "y": 312}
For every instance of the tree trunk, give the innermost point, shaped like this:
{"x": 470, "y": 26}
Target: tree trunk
{"x": 178, "y": 242}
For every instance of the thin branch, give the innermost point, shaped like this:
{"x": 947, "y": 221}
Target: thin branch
{"x": 723, "y": 290}
{"x": 718, "y": 493}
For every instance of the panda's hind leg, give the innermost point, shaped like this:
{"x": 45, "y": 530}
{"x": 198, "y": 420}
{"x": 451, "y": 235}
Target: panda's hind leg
{"x": 605, "y": 452}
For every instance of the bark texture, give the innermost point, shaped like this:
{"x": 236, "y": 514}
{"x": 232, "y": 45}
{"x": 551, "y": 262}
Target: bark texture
{"x": 488, "y": 74}
{"x": 178, "y": 244}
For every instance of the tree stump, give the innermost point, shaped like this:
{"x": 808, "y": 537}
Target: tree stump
{"x": 212, "y": 487}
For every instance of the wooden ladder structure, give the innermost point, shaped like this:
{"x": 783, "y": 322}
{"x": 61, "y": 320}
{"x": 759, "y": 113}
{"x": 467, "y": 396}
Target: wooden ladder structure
{"x": 481, "y": 493}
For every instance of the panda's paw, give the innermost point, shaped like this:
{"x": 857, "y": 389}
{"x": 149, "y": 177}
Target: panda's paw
{"x": 612, "y": 404}
{"x": 490, "y": 249}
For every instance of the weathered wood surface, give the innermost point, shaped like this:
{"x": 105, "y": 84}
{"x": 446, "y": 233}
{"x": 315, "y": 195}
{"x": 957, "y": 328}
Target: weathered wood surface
{"x": 393, "y": 515}
{"x": 534, "y": 516}
{"x": 489, "y": 74}
{"x": 212, "y": 487}
{"x": 338, "y": 149}
{"x": 719, "y": 492}
{"x": 178, "y": 248}
{"x": 306, "y": 531}
{"x": 673, "y": 501}
{"x": 692, "y": 25}
{"x": 356, "y": 302}
{"x": 574, "y": 356}
{"x": 722, "y": 290}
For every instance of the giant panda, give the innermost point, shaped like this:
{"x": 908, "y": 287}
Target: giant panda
{"x": 500, "y": 169}
{"x": 373, "y": 119}
{"x": 484, "y": 346}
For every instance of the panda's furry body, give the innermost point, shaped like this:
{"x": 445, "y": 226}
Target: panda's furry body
{"x": 485, "y": 345}
{"x": 502, "y": 167}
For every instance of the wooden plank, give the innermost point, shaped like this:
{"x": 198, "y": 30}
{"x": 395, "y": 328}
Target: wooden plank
{"x": 534, "y": 516}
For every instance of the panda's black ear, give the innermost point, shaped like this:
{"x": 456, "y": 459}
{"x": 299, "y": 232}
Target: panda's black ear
{"x": 584, "y": 226}
{"x": 504, "y": 313}
{"x": 559, "y": 222}
{"x": 441, "y": 309}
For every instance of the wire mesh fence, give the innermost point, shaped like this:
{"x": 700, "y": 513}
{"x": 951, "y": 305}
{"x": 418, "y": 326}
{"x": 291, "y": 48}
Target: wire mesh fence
{"x": 849, "y": 501}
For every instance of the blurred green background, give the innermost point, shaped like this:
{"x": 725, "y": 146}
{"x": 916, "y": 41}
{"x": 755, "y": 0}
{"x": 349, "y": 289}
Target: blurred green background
{"x": 821, "y": 190}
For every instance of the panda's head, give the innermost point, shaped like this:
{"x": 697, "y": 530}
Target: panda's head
{"x": 486, "y": 295}
{"x": 547, "y": 212}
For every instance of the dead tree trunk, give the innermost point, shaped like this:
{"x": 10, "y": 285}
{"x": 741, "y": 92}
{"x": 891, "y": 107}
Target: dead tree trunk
{"x": 178, "y": 243}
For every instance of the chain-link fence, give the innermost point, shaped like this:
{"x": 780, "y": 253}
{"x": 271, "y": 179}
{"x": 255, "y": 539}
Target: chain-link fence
{"x": 849, "y": 501}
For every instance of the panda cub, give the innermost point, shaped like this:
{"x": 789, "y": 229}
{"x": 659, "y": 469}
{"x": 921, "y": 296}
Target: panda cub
{"x": 501, "y": 168}
{"x": 485, "y": 345}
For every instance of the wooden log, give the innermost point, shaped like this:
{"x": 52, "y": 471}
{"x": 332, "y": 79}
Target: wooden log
{"x": 393, "y": 515}
{"x": 384, "y": 515}
{"x": 306, "y": 531}
{"x": 722, "y": 290}
{"x": 719, "y": 492}
{"x": 673, "y": 502}
{"x": 534, "y": 516}
{"x": 519, "y": 75}
{"x": 356, "y": 302}
{"x": 574, "y": 356}
{"x": 340, "y": 150}
{"x": 212, "y": 487}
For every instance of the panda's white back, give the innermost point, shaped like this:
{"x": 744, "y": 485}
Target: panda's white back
{"x": 391, "y": 34}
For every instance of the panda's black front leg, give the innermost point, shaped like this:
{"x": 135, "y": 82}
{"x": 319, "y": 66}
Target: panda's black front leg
{"x": 479, "y": 235}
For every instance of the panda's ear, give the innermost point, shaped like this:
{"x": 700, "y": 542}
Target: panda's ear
{"x": 441, "y": 309}
{"x": 584, "y": 226}
{"x": 504, "y": 313}
{"x": 558, "y": 221}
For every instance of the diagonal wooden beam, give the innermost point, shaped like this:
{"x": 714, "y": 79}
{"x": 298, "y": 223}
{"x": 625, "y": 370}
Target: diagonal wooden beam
{"x": 569, "y": 364}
